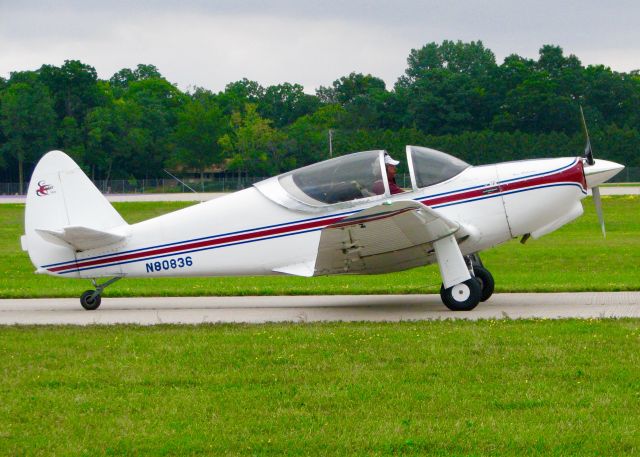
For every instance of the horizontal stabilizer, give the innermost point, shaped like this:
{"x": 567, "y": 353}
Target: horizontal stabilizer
{"x": 81, "y": 238}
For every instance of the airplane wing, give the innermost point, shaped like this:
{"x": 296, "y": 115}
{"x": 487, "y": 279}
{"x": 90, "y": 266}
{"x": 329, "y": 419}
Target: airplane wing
{"x": 385, "y": 238}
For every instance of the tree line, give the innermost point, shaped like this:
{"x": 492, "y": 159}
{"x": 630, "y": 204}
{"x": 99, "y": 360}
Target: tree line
{"x": 453, "y": 96}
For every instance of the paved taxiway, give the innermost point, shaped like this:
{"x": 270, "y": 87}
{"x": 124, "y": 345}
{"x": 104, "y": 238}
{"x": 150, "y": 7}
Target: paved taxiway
{"x": 393, "y": 308}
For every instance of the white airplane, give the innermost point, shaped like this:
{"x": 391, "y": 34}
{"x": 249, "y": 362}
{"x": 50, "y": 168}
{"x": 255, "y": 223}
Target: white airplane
{"x": 340, "y": 216}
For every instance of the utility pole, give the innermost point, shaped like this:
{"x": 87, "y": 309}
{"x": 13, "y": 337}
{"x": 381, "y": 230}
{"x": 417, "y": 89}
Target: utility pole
{"x": 330, "y": 143}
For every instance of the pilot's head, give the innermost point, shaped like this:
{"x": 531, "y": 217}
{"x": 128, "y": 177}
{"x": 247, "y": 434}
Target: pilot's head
{"x": 390, "y": 164}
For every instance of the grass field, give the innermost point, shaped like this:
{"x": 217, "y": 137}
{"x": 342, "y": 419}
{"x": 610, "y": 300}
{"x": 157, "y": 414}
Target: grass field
{"x": 574, "y": 258}
{"x": 508, "y": 388}
{"x": 429, "y": 388}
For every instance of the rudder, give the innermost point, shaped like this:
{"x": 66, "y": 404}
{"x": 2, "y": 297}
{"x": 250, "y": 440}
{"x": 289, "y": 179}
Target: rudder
{"x": 62, "y": 197}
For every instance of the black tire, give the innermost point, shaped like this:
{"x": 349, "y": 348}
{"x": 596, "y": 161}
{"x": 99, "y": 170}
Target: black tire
{"x": 462, "y": 297}
{"x": 487, "y": 284}
{"x": 89, "y": 302}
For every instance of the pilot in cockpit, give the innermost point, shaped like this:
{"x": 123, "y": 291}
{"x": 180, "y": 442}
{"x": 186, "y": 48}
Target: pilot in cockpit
{"x": 390, "y": 165}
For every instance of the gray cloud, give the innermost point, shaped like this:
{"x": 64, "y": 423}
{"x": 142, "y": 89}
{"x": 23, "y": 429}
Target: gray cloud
{"x": 211, "y": 43}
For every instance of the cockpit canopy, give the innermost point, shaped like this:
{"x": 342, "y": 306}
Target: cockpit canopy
{"x": 429, "y": 167}
{"x": 342, "y": 179}
{"x": 356, "y": 177}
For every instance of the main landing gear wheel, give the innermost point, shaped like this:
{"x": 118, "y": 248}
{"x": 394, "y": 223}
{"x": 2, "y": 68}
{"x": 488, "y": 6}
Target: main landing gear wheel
{"x": 487, "y": 284}
{"x": 462, "y": 297}
{"x": 90, "y": 300}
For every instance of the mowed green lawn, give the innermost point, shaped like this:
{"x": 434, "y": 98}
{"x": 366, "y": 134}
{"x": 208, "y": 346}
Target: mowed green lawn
{"x": 574, "y": 258}
{"x": 508, "y": 388}
{"x": 513, "y": 388}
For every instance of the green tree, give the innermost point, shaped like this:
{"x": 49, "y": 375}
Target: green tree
{"x": 552, "y": 60}
{"x": 472, "y": 59}
{"x": 536, "y": 106}
{"x": 237, "y": 94}
{"x": 347, "y": 88}
{"x": 310, "y": 134}
{"x": 452, "y": 95}
{"x": 365, "y": 99}
{"x": 446, "y": 88}
{"x": 71, "y": 138}
{"x": 118, "y": 143}
{"x": 441, "y": 101}
{"x": 105, "y": 128}
{"x": 253, "y": 146}
{"x": 504, "y": 78}
{"x": 27, "y": 119}
{"x": 200, "y": 126}
{"x": 121, "y": 80}
{"x": 614, "y": 97}
{"x": 73, "y": 87}
{"x": 158, "y": 103}
{"x": 284, "y": 103}
{"x": 3, "y": 85}
{"x": 421, "y": 60}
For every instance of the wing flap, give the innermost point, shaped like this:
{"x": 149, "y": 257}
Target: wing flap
{"x": 81, "y": 238}
{"x": 388, "y": 237}
{"x": 305, "y": 269}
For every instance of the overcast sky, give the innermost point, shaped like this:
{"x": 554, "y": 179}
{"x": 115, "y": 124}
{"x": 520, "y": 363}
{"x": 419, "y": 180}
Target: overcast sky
{"x": 211, "y": 43}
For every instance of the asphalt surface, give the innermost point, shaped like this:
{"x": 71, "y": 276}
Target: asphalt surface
{"x": 392, "y": 308}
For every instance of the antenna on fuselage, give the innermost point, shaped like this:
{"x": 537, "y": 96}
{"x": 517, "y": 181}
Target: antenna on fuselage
{"x": 181, "y": 182}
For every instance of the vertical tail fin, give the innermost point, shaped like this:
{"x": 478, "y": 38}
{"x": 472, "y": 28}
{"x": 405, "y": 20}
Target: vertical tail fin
{"x": 63, "y": 205}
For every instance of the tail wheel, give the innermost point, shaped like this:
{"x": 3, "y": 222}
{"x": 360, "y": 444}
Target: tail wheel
{"x": 90, "y": 300}
{"x": 462, "y": 297}
{"x": 485, "y": 279}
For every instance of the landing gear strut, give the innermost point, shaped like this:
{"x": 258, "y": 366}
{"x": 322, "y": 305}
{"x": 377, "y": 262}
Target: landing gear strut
{"x": 90, "y": 299}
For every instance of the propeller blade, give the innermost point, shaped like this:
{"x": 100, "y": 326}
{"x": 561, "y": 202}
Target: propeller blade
{"x": 598, "y": 202}
{"x": 588, "y": 152}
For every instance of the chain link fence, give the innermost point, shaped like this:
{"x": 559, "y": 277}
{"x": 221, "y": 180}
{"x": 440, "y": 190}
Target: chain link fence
{"x": 156, "y": 186}
{"x": 229, "y": 184}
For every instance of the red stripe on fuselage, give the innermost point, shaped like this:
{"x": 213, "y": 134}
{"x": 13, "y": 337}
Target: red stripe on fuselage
{"x": 572, "y": 174}
{"x": 198, "y": 244}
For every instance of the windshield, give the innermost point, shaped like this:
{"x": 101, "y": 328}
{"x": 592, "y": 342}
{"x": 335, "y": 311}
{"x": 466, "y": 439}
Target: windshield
{"x": 342, "y": 179}
{"x": 432, "y": 167}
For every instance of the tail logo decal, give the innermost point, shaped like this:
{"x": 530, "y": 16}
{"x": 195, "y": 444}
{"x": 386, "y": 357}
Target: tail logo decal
{"x": 44, "y": 189}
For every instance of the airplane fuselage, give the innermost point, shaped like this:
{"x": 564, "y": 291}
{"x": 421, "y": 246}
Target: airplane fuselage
{"x": 248, "y": 233}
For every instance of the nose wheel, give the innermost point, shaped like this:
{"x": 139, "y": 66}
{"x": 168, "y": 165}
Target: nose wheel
{"x": 91, "y": 299}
